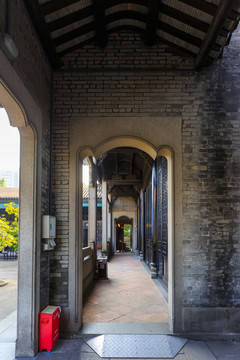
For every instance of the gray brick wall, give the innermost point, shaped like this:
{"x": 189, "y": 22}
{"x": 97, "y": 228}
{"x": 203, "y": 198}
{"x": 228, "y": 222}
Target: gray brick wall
{"x": 211, "y": 142}
{"x": 100, "y": 84}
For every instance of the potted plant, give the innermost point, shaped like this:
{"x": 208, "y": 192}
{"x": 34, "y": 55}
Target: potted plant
{"x": 104, "y": 252}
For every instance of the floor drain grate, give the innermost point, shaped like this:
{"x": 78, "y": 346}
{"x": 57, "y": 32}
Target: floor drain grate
{"x": 136, "y": 346}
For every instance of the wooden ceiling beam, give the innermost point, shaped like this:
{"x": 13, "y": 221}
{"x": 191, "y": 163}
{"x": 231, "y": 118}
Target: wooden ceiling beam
{"x": 35, "y": 14}
{"x": 152, "y": 21}
{"x": 201, "y": 5}
{"x": 179, "y": 34}
{"x": 100, "y": 22}
{"x": 214, "y": 30}
{"x": 179, "y": 48}
{"x": 110, "y": 3}
{"x": 185, "y": 18}
{"x": 56, "y": 5}
{"x": 127, "y": 15}
{"x": 124, "y": 182}
{"x": 71, "y": 35}
{"x": 70, "y": 18}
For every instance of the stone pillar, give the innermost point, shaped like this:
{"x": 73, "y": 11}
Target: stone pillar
{"x": 92, "y": 211}
{"x": 138, "y": 228}
{"x": 29, "y": 250}
{"x": 104, "y": 215}
{"x": 142, "y": 226}
{"x": 154, "y": 224}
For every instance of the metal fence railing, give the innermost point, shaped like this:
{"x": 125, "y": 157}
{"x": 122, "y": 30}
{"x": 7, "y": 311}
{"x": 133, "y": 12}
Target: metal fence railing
{"x": 8, "y": 255}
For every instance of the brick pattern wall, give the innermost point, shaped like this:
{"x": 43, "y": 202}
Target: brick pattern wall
{"x": 59, "y": 259}
{"x": 126, "y": 51}
{"x": 100, "y": 84}
{"x": 211, "y": 140}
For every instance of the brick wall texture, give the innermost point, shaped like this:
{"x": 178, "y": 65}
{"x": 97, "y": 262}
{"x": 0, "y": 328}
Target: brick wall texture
{"x": 129, "y": 79}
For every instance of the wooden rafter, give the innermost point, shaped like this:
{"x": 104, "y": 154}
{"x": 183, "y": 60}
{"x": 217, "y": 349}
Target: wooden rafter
{"x": 193, "y": 40}
{"x": 70, "y": 18}
{"x": 214, "y": 30}
{"x": 126, "y": 15}
{"x": 100, "y": 26}
{"x": 56, "y": 5}
{"x": 68, "y": 36}
{"x": 185, "y": 18}
{"x": 152, "y": 21}
{"x": 37, "y": 18}
{"x": 201, "y": 5}
{"x": 110, "y": 3}
{"x": 124, "y": 182}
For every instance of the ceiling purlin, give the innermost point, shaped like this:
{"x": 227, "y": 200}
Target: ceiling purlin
{"x": 193, "y": 40}
{"x": 40, "y": 25}
{"x": 185, "y": 18}
{"x": 70, "y": 18}
{"x": 110, "y": 3}
{"x": 129, "y": 15}
{"x": 56, "y": 5}
{"x": 201, "y": 5}
{"x": 100, "y": 22}
{"x": 214, "y": 30}
{"x": 179, "y": 48}
{"x": 73, "y": 34}
{"x": 152, "y": 21}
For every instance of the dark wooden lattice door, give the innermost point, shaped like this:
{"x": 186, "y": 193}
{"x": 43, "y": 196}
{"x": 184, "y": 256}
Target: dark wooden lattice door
{"x": 162, "y": 219}
{"x": 148, "y": 222}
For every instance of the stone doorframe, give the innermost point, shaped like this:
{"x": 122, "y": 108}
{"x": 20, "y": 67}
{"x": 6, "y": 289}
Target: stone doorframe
{"x": 24, "y": 114}
{"x": 77, "y": 154}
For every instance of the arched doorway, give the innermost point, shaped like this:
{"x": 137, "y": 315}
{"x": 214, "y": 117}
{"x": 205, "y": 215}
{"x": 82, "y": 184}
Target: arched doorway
{"x": 98, "y": 153}
{"x": 29, "y": 224}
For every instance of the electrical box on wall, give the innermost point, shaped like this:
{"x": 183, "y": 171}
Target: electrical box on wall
{"x": 48, "y": 227}
{"x": 48, "y": 232}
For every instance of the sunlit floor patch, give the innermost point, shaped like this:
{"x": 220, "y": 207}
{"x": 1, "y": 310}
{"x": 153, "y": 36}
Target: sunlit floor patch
{"x": 136, "y": 346}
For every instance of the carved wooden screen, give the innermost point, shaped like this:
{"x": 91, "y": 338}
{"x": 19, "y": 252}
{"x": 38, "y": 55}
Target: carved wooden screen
{"x": 162, "y": 218}
{"x": 148, "y": 222}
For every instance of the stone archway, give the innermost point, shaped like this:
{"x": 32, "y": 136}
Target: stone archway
{"x": 29, "y": 226}
{"x": 75, "y": 287}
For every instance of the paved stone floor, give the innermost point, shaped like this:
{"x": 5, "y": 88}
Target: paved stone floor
{"x": 120, "y": 308}
{"x": 127, "y": 296}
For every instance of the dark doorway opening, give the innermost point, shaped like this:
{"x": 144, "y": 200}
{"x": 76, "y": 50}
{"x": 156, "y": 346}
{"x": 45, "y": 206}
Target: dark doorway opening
{"x": 124, "y": 235}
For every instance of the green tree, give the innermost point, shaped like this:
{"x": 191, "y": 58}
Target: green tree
{"x": 8, "y": 229}
{"x": 3, "y": 182}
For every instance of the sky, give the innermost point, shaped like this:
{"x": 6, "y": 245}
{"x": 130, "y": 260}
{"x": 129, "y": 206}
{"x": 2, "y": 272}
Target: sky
{"x": 9, "y": 144}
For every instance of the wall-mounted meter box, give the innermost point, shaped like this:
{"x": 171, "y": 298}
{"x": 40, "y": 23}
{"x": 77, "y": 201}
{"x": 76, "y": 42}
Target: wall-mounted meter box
{"x": 48, "y": 227}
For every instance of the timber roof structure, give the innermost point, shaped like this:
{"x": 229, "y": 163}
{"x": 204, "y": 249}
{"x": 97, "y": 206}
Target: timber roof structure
{"x": 198, "y": 28}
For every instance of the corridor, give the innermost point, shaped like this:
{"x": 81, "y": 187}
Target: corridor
{"x": 127, "y": 296}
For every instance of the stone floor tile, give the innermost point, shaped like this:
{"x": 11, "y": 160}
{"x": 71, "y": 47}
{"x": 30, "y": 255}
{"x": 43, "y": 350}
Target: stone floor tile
{"x": 129, "y": 295}
{"x": 65, "y": 346}
{"x": 225, "y": 350}
{"x": 7, "y": 351}
{"x": 195, "y": 350}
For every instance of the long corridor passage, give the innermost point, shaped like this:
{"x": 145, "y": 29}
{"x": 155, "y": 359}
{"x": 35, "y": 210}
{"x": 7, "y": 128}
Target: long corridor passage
{"x": 129, "y": 295}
